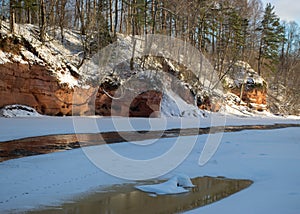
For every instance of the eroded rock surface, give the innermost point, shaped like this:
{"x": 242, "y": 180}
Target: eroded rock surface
{"x": 35, "y": 86}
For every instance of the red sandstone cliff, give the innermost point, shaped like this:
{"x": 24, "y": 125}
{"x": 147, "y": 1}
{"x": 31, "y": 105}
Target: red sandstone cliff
{"x": 37, "y": 75}
{"x": 36, "y": 86}
{"x": 244, "y": 82}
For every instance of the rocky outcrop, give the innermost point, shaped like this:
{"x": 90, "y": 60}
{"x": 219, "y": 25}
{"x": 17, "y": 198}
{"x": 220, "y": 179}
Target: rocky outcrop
{"x": 247, "y": 85}
{"x": 146, "y": 104}
{"x": 183, "y": 82}
{"x": 35, "y": 86}
{"x": 255, "y": 98}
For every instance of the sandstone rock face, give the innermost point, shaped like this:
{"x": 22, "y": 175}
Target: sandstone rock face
{"x": 243, "y": 79}
{"x": 255, "y": 98}
{"x": 146, "y": 104}
{"x": 35, "y": 86}
{"x": 254, "y": 95}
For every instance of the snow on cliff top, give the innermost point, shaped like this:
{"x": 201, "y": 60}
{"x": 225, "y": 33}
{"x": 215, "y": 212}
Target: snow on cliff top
{"x": 243, "y": 73}
{"x": 52, "y": 54}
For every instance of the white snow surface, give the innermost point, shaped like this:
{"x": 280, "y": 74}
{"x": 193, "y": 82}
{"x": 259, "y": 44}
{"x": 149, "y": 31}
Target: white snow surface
{"x": 3, "y": 57}
{"x": 269, "y": 158}
{"x": 18, "y": 111}
{"x": 174, "y": 106}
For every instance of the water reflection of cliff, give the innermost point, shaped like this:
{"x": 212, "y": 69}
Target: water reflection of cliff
{"x": 52, "y": 143}
{"x": 126, "y": 199}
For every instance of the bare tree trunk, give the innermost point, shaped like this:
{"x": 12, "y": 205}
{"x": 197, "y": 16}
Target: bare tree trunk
{"x": 121, "y": 17}
{"x": 80, "y": 10}
{"x": 110, "y": 16}
{"x": 12, "y": 16}
{"x": 145, "y": 19}
{"x": 154, "y": 8}
{"x": 164, "y": 19}
{"x": 129, "y": 18}
{"x": 62, "y": 15}
{"x": 259, "y": 60}
{"x": 28, "y": 15}
{"x": 42, "y": 21}
{"x": 133, "y": 22}
{"x": 76, "y": 15}
{"x": 116, "y": 17}
{"x": 1, "y": 14}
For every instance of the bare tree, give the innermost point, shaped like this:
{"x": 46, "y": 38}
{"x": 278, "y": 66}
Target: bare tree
{"x": 42, "y": 20}
{"x": 12, "y": 15}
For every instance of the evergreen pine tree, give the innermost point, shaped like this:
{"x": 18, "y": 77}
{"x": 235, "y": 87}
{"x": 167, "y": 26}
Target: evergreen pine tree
{"x": 271, "y": 36}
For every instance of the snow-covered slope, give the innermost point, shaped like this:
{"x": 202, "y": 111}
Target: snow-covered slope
{"x": 56, "y": 57}
{"x": 173, "y": 105}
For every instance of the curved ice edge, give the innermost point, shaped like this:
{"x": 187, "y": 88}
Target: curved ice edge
{"x": 175, "y": 185}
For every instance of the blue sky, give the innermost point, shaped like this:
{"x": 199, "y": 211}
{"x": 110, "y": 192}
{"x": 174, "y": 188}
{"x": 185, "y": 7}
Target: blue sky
{"x": 288, "y": 10}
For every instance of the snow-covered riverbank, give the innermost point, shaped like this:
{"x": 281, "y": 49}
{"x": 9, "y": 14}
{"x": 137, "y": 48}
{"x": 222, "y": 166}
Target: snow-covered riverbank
{"x": 269, "y": 158}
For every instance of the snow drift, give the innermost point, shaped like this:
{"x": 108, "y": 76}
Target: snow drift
{"x": 18, "y": 111}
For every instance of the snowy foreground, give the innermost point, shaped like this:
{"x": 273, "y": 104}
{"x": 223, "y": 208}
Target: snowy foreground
{"x": 270, "y": 158}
